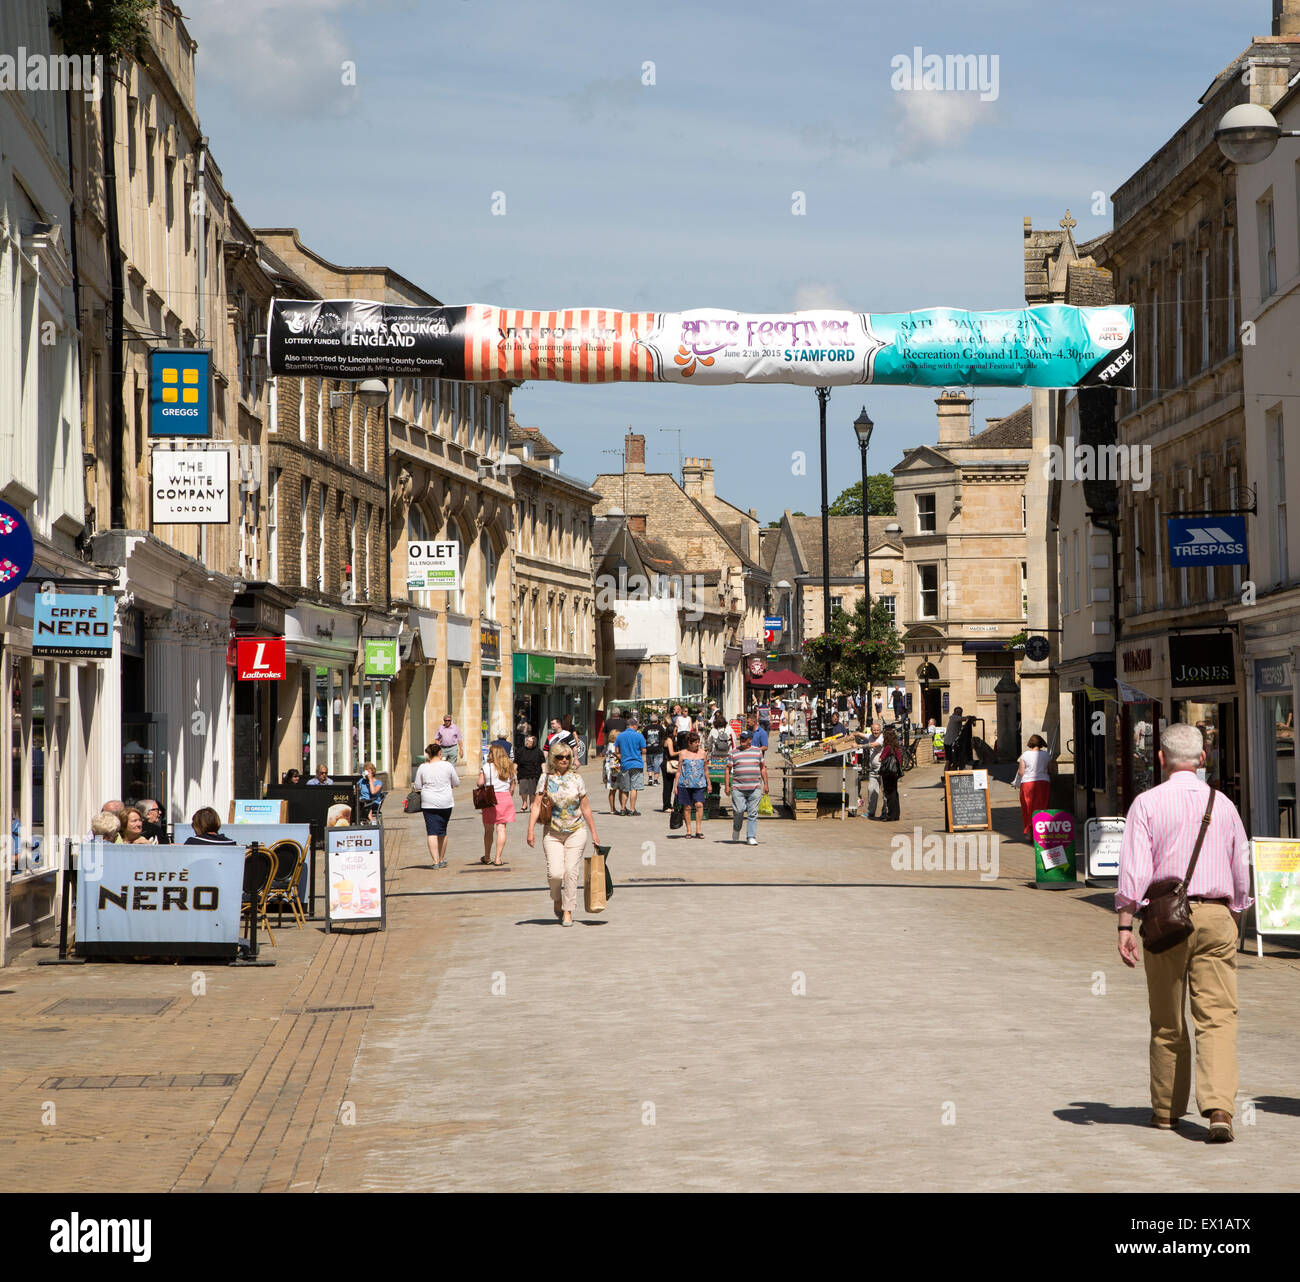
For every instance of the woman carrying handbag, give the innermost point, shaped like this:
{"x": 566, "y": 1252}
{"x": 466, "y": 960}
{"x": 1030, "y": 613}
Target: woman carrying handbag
{"x": 562, "y": 807}
{"x": 498, "y": 773}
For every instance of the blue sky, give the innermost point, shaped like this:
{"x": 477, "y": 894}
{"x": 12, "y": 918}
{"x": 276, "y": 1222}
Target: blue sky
{"x": 679, "y": 194}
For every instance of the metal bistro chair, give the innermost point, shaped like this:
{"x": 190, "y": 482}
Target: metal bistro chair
{"x": 259, "y": 871}
{"x": 283, "y": 889}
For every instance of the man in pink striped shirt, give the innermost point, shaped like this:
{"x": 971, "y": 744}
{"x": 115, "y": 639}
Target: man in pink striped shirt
{"x": 1159, "y": 836}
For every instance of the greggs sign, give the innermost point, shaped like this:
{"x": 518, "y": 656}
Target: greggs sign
{"x": 260, "y": 659}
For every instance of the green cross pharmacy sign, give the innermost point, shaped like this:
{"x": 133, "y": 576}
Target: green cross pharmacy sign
{"x": 381, "y": 656}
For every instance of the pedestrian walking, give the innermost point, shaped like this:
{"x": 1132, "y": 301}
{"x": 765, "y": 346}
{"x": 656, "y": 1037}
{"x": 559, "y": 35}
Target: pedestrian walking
{"x": 692, "y": 782}
{"x": 435, "y": 778}
{"x": 871, "y": 773}
{"x": 1033, "y": 779}
{"x": 669, "y": 741}
{"x": 746, "y": 781}
{"x": 891, "y": 771}
{"x": 654, "y": 748}
{"x": 611, "y": 771}
{"x": 528, "y": 765}
{"x": 498, "y": 771}
{"x": 757, "y": 731}
{"x": 1179, "y": 825}
{"x": 447, "y": 737}
{"x": 631, "y": 755}
{"x": 951, "y": 736}
{"x": 681, "y": 719}
{"x": 561, "y": 805}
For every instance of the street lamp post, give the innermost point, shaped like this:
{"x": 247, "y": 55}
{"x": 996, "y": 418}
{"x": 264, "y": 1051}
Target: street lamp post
{"x": 862, "y": 426}
{"x": 824, "y": 395}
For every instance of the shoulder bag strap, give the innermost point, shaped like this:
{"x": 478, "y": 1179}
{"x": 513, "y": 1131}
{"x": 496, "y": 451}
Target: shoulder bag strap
{"x": 1200, "y": 838}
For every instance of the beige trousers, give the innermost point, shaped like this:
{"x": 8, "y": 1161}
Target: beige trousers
{"x": 563, "y": 862}
{"x": 1203, "y": 966}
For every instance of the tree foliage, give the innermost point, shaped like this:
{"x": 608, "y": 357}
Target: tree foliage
{"x": 880, "y": 494}
{"x": 111, "y": 28}
{"x": 849, "y": 655}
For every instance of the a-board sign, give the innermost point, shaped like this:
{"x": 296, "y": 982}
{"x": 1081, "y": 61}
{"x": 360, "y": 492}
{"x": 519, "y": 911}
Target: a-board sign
{"x": 1102, "y": 839}
{"x": 159, "y": 901}
{"x": 354, "y": 876}
{"x": 1276, "y": 862}
{"x": 258, "y": 810}
{"x": 966, "y": 802}
{"x": 1054, "y": 855}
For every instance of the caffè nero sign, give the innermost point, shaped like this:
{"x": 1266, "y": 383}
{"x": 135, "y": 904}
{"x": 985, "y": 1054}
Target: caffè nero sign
{"x": 1202, "y": 659}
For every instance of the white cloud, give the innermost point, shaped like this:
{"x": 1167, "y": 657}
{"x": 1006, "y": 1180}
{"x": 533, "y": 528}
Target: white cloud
{"x": 931, "y": 120}
{"x": 275, "y": 56}
{"x": 814, "y": 297}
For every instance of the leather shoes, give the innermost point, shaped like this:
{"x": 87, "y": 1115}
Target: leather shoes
{"x": 1220, "y": 1127}
{"x": 1162, "y": 1123}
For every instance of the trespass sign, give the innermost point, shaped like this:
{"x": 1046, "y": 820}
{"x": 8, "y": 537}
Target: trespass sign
{"x": 68, "y": 626}
{"x": 1049, "y": 346}
{"x": 191, "y": 487}
{"x": 1207, "y": 540}
{"x": 433, "y": 567}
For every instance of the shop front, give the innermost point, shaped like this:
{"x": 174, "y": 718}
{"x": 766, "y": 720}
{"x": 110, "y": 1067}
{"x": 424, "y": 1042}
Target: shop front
{"x": 256, "y": 614}
{"x": 462, "y": 637}
{"x": 534, "y": 695}
{"x": 321, "y": 647}
{"x": 1188, "y": 677}
{"x": 489, "y": 635}
{"x": 1094, "y": 789}
{"x": 50, "y": 689}
{"x": 1272, "y": 734}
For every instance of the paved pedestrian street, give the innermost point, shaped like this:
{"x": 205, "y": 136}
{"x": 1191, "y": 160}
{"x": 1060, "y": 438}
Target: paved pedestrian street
{"x": 796, "y": 1015}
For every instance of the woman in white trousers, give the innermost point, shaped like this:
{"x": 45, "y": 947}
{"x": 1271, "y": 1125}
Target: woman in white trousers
{"x": 562, "y": 791}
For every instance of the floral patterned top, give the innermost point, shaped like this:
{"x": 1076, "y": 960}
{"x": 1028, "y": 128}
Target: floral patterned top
{"x": 566, "y": 793}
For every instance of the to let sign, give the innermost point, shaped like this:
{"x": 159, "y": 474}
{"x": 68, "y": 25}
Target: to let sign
{"x": 433, "y": 567}
{"x": 260, "y": 659}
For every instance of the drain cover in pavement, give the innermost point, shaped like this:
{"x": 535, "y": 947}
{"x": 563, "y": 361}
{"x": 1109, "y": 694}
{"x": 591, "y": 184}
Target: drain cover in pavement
{"x": 110, "y": 1006}
{"x": 138, "y": 1081}
{"x": 333, "y": 1010}
{"x": 658, "y": 881}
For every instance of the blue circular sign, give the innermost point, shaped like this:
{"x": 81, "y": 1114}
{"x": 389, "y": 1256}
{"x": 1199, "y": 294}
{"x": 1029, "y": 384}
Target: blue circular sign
{"x": 16, "y": 549}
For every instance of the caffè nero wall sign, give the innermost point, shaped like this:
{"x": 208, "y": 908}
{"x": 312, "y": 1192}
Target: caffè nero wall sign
{"x": 1049, "y": 346}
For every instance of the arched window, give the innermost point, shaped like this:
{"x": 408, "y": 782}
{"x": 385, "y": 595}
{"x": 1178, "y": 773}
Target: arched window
{"x": 489, "y": 576}
{"x": 417, "y": 530}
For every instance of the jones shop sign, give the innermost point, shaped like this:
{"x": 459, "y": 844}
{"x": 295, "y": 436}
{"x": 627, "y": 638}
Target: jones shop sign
{"x": 1201, "y": 659}
{"x": 178, "y": 901}
{"x": 191, "y": 487}
{"x": 65, "y": 626}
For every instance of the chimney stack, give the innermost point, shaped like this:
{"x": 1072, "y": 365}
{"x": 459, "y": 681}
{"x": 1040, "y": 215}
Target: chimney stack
{"x": 697, "y": 478}
{"x": 633, "y": 453}
{"x": 1286, "y": 17}
{"x": 954, "y": 418}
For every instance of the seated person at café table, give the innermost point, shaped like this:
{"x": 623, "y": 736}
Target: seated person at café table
{"x": 131, "y": 827}
{"x": 322, "y": 776}
{"x": 207, "y": 829}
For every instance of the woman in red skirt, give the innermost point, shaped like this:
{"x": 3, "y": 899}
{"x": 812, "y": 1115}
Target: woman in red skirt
{"x": 1034, "y": 779}
{"x": 499, "y": 771}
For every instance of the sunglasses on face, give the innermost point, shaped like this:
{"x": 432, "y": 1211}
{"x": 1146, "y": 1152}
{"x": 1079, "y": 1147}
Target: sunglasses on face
{"x": 564, "y": 758}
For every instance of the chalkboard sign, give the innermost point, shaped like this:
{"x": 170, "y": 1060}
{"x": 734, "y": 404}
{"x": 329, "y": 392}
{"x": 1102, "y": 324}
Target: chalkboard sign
{"x": 966, "y": 800}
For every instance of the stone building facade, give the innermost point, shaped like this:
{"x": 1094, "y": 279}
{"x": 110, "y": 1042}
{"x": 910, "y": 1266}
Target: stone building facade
{"x": 1174, "y": 254}
{"x": 712, "y": 548}
{"x": 444, "y": 441}
{"x": 962, "y": 506}
{"x": 553, "y": 590}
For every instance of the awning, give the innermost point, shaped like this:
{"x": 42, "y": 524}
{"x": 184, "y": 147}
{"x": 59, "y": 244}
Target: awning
{"x": 780, "y": 677}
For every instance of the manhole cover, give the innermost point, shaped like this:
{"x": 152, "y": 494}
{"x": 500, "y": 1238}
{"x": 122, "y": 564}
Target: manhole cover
{"x": 110, "y": 1006}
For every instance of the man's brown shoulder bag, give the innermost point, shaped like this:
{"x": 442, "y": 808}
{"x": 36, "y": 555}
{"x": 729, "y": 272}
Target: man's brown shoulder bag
{"x": 1167, "y": 918}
